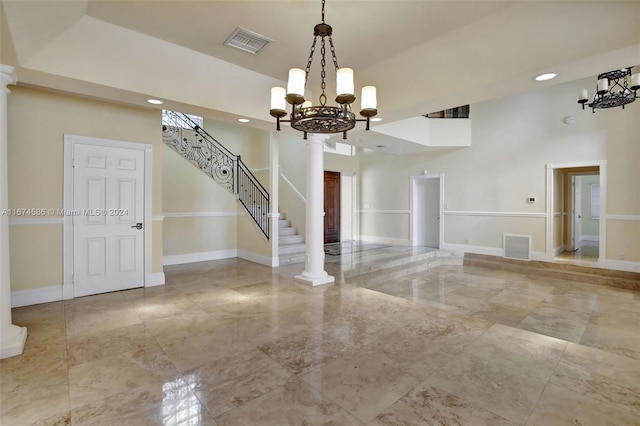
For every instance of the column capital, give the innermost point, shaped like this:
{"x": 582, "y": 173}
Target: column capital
{"x": 317, "y": 137}
{"x": 8, "y": 75}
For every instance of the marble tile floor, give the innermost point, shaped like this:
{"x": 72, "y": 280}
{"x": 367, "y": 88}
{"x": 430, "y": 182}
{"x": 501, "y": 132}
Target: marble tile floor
{"x": 230, "y": 342}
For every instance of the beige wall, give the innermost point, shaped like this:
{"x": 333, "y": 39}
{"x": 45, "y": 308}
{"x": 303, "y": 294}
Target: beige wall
{"x": 293, "y": 162}
{"x": 208, "y": 211}
{"x": 513, "y": 140}
{"x": 37, "y": 122}
{"x": 201, "y": 216}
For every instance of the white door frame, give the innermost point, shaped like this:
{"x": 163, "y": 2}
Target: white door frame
{"x": 350, "y": 206}
{"x": 67, "y": 227}
{"x": 602, "y": 232}
{"x": 412, "y": 202}
{"x": 576, "y": 210}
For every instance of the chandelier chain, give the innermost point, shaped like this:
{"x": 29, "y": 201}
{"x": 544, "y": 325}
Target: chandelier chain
{"x": 323, "y": 11}
{"x": 323, "y": 73}
{"x": 333, "y": 54}
{"x": 308, "y": 68}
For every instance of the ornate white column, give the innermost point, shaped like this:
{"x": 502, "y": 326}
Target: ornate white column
{"x": 314, "y": 272}
{"x": 12, "y": 337}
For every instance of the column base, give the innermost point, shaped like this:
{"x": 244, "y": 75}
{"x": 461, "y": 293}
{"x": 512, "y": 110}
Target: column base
{"x": 12, "y": 341}
{"x": 315, "y": 280}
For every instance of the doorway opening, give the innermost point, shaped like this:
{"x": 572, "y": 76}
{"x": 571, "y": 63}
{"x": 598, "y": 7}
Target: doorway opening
{"x": 578, "y": 197}
{"x": 332, "y": 209}
{"x": 108, "y": 205}
{"x": 426, "y": 210}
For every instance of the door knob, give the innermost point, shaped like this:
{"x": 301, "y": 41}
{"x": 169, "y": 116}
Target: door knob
{"x": 137, "y": 225}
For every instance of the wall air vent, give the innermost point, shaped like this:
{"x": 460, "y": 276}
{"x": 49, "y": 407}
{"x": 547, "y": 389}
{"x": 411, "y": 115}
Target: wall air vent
{"x": 247, "y": 41}
{"x": 516, "y": 247}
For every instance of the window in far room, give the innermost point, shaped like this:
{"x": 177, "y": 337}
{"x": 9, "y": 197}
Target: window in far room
{"x": 341, "y": 149}
{"x": 168, "y": 122}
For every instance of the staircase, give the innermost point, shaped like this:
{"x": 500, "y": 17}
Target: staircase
{"x": 193, "y": 143}
{"x": 291, "y": 244}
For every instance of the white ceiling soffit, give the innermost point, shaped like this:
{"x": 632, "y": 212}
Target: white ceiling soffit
{"x": 470, "y": 52}
{"x": 430, "y": 132}
{"x": 33, "y": 24}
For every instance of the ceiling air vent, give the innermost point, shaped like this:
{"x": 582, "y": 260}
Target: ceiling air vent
{"x": 247, "y": 41}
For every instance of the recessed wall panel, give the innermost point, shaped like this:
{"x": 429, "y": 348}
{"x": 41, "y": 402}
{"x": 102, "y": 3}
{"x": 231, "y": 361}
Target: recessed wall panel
{"x": 125, "y": 212}
{"x": 96, "y": 162}
{"x": 126, "y": 253}
{"x": 96, "y": 256}
{"x": 127, "y": 164}
{"x": 96, "y": 201}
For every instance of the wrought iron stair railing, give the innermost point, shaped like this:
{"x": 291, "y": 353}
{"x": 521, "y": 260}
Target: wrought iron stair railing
{"x": 192, "y": 142}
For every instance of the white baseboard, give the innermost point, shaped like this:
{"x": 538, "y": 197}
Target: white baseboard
{"x": 620, "y": 265}
{"x": 178, "y": 259}
{"x": 383, "y": 240}
{"x": 461, "y": 249}
{"x": 259, "y": 258}
{"x": 540, "y": 256}
{"x": 154, "y": 279}
{"x": 558, "y": 250}
{"x": 36, "y": 296}
{"x": 595, "y": 238}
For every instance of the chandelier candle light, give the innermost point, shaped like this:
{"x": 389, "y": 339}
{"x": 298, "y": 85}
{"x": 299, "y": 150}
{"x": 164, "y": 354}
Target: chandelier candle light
{"x": 613, "y": 90}
{"x": 308, "y": 118}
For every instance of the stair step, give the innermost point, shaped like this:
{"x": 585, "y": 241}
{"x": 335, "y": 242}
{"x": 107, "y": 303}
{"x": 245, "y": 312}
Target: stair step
{"x": 284, "y": 223}
{"x": 290, "y": 239}
{"x": 291, "y": 259}
{"x": 287, "y": 231}
{"x": 292, "y": 248}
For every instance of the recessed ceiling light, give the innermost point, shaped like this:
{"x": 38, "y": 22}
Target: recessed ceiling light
{"x": 154, "y": 101}
{"x": 243, "y": 120}
{"x": 376, "y": 119}
{"x": 545, "y": 77}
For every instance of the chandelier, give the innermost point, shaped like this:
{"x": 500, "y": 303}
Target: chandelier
{"x": 323, "y": 118}
{"x": 613, "y": 90}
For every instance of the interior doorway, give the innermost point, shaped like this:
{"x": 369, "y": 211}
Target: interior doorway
{"x": 583, "y": 239}
{"x": 106, "y": 206}
{"x": 426, "y": 208}
{"x": 331, "y": 207}
{"x": 576, "y": 233}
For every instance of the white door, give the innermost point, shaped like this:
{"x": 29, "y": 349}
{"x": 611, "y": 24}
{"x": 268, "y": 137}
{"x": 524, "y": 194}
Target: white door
{"x": 427, "y": 212}
{"x": 576, "y": 228}
{"x": 108, "y": 208}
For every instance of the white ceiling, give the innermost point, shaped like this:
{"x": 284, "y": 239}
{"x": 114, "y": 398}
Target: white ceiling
{"x": 422, "y": 55}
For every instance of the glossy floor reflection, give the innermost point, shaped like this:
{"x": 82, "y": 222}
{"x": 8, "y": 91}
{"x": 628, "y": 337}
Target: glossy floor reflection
{"x": 235, "y": 343}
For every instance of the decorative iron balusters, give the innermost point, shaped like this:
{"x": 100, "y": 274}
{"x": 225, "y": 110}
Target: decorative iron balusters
{"x": 253, "y": 197}
{"x": 192, "y": 142}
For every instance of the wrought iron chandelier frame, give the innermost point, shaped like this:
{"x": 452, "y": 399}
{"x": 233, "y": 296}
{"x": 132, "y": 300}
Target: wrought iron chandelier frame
{"x": 616, "y": 92}
{"x": 322, "y": 118}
